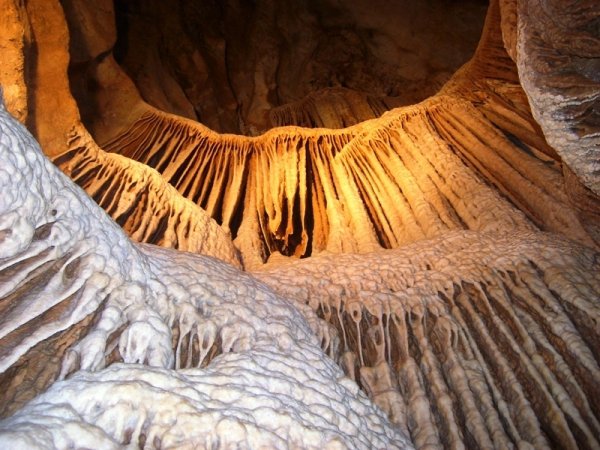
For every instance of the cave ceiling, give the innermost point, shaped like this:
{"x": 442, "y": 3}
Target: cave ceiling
{"x": 309, "y": 224}
{"x": 244, "y": 67}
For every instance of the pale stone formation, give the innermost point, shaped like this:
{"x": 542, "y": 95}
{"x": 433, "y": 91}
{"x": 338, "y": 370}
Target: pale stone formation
{"x": 470, "y": 339}
{"x": 255, "y": 377}
{"x": 138, "y": 198}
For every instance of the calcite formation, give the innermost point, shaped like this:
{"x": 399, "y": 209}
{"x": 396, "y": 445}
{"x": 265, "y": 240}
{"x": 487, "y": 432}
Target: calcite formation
{"x": 476, "y": 339}
{"x": 558, "y": 49}
{"x": 228, "y": 64}
{"x": 206, "y": 356}
{"x": 470, "y": 157}
{"x": 147, "y": 207}
{"x": 363, "y": 275}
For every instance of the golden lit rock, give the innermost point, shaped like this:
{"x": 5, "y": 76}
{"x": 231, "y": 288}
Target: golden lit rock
{"x": 392, "y": 251}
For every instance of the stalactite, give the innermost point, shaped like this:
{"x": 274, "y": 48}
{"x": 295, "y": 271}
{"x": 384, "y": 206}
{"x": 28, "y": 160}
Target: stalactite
{"x": 453, "y": 309}
{"x": 411, "y": 174}
{"x": 142, "y": 203}
{"x": 486, "y": 348}
{"x": 353, "y": 172}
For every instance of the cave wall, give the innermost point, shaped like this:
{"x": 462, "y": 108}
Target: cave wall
{"x": 293, "y": 191}
{"x": 450, "y": 275}
{"x": 112, "y": 108}
{"x": 556, "y": 47}
{"x": 227, "y": 64}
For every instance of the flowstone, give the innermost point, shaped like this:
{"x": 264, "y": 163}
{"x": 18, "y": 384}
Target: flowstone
{"x": 148, "y": 346}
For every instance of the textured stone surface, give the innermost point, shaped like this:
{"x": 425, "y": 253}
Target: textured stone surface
{"x": 147, "y": 207}
{"x": 381, "y": 183}
{"x": 14, "y": 39}
{"x": 474, "y": 329}
{"x": 475, "y": 339}
{"x": 265, "y": 381}
{"x": 558, "y": 54}
{"x": 138, "y": 198}
{"x": 228, "y": 63}
{"x": 468, "y": 339}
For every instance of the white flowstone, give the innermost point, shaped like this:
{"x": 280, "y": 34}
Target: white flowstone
{"x": 268, "y": 383}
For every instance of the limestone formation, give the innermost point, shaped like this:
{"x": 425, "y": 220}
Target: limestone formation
{"x": 556, "y": 46}
{"x": 345, "y": 272}
{"x": 137, "y": 197}
{"x": 228, "y": 64}
{"x": 147, "y": 207}
{"x": 475, "y": 339}
{"x": 558, "y": 54}
{"x": 299, "y": 191}
{"x": 75, "y": 288}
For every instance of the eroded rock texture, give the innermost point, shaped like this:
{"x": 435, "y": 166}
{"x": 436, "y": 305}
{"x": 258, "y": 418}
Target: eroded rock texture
{"x": 558, "y": 54}
{"x": 137, "y": 197}
{"x": 416, "y": 172}
{"x": 424, "y": 277}
{"x": 556, "y": 46}
{"x": 147, "y": 207}
{"x": 473, "y": 339}
{"x": 227, "y": 64}
{"x": 76, "y": 290}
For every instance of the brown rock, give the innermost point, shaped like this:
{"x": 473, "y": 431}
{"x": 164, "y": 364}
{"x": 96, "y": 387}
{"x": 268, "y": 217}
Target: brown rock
{"x": 558, "y": 54}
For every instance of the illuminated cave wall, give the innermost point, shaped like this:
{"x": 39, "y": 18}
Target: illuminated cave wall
{"x": 424, "y": 277}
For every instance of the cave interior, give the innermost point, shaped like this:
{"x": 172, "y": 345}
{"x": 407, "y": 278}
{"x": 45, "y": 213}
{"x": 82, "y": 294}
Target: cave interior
{"x": 310, "y": 224}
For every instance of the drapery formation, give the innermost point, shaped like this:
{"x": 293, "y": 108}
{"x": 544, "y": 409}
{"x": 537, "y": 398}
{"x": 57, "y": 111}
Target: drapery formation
{"x": 438, "y": 260}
